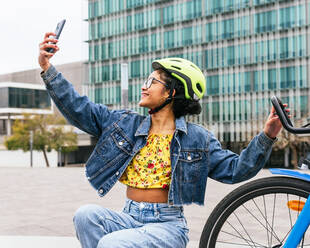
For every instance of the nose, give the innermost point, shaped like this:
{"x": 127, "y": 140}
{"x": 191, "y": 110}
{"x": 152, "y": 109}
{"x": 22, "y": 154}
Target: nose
{"x": 143, "y": 87}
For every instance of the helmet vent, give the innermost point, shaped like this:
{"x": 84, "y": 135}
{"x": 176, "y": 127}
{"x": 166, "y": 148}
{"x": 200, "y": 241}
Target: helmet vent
{"x": 194, "y": 66}
{"x": 176, "y": 67}
{"x": 199, "y": 87}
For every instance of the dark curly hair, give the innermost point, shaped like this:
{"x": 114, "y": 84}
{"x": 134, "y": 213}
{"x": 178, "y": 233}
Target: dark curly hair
{"x": 180, "y": 105}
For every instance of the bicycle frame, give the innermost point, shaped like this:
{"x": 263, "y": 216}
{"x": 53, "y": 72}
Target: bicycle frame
{"x": 303, "y": 220}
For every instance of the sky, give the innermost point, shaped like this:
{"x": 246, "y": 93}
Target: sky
{"x": 23, "y": 24}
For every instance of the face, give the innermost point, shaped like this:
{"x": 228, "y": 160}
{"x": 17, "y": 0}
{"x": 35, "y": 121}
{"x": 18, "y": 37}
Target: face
{"x": 156, "y": 94}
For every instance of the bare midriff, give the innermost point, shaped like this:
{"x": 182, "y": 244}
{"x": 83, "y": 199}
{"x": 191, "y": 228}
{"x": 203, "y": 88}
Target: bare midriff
{"x": 147, "y": 195}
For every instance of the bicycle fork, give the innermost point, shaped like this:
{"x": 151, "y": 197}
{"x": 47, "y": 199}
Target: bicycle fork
{"x": 300, "y": 227}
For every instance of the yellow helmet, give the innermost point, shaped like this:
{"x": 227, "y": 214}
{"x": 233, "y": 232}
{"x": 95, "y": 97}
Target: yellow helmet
{"x": 185, "y": 71}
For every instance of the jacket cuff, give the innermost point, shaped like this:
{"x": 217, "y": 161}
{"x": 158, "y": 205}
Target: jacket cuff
{"x": 49, "y": 75}
{"x": 265, "y": 140}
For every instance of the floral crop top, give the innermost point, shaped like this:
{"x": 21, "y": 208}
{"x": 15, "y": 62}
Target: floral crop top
{"x": 151, "y": 167}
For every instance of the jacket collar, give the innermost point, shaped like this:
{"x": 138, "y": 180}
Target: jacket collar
{"x": 143, "y": 129}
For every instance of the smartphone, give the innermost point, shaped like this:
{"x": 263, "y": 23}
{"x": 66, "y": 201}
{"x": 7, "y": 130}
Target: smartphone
{"x": 58, "y": 30}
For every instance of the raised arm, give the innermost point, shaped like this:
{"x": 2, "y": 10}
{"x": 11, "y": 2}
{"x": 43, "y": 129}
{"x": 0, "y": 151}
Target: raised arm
{"x": 78, "y": 110}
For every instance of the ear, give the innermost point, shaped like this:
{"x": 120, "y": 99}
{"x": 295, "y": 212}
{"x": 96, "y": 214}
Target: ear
{"x": 173, "y": 93}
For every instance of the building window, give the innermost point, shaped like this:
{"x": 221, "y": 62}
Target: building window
{"x": 28, "y": 98}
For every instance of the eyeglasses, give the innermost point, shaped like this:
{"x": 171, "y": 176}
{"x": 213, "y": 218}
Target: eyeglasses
{"x": 148, "y": 83}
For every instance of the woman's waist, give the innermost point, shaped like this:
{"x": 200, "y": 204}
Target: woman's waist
{"x": 153, "y": 195}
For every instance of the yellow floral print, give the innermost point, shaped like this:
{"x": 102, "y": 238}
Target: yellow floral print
{"x": 151, "y": 167}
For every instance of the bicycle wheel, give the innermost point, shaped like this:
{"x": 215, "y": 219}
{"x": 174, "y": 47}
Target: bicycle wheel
{"x": 256, "y": 215}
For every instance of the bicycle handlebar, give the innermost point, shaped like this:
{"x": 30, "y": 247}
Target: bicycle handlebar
{"x": 286, "y": 122}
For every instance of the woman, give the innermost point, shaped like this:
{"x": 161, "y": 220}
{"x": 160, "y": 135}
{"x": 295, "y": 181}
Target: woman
{"x": 163, "y": 160}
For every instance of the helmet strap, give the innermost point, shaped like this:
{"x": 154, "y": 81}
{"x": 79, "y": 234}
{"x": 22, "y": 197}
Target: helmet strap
{"x": 167, "y": 101}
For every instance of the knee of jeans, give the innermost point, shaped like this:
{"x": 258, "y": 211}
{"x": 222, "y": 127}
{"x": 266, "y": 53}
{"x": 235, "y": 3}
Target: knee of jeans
{"x": 112, "y": 241}
{"x": 105, "y": 243}
{"x": 85, "y": 214}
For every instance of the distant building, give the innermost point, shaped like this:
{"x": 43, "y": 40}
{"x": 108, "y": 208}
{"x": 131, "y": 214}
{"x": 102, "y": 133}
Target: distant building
{"x": 21, "y": 98}
{"x": 24, "y": 92}
{"x": 75, "y": 72}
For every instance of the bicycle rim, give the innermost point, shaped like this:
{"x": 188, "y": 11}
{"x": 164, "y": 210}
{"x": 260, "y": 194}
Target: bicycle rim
{"x": 256, "y": 215}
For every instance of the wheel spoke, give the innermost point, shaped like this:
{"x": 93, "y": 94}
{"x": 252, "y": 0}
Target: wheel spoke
{"x": 273, "y": 214}
{"x": 241, "y": 245}
{"x": 239, "y": 236}
{"x": 289, "y": 211}
{"x": 268, "y": 224}
{"x": 244, "y": 229}
{"x": 250, "y": 212}
{"x": 266, "y": 220}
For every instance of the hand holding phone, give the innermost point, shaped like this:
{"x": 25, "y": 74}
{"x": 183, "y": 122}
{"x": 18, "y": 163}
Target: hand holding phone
{"x": 58, "y": 30}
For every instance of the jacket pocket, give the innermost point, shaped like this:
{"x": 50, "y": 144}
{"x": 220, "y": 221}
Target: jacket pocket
{"x": 189, "y": 165}
{"x": 113, "y": 151}
{"x": 114, "y": 145}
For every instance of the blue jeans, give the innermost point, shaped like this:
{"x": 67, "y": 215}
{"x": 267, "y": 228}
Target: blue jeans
{"x": 139, "y": 225}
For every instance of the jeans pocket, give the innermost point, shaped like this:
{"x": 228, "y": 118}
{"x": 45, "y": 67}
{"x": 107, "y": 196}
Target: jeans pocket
{"x": 169, "y": 214}
{"x": 176, "y": 222}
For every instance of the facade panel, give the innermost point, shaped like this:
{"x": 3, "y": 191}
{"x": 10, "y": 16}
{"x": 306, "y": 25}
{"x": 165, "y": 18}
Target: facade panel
{"x": 4, "y": 99}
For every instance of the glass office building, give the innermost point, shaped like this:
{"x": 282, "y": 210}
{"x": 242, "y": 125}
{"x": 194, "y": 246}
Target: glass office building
{"x": 17, "y": 99}
{"x": 248, "y": 50}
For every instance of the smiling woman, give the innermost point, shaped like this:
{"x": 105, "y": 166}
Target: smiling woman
{"x": 162, "y": 159}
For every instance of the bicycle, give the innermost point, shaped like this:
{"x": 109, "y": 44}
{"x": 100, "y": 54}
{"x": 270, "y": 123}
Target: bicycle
{"x": 267, "y": 212}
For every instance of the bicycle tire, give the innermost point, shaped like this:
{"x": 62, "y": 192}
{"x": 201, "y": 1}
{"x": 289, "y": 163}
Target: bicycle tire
{"x": 244, "y": 200}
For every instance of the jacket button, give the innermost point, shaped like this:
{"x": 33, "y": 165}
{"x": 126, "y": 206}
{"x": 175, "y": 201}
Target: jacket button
{"x": 117, "y": 173}
{"x": 121, "y": 143}
{"x": 100, "y": 191}
{"x": 189, "y": 158}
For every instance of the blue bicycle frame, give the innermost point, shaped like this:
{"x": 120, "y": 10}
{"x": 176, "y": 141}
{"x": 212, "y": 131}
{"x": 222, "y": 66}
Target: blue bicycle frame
{"x": 303, "y": 220}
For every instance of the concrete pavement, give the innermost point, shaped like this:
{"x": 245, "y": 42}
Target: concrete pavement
{"x": 37, "y": 205}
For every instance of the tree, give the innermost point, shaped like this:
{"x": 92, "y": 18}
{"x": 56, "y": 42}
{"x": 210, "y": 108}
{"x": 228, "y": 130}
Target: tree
{"x": 64, "y": 142}
{"x": 48, "y": 134}
{"x": 292, "y": 141}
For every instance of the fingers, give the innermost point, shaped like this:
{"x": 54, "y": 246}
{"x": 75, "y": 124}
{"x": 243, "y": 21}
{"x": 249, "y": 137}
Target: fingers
{"x": 47, "y": 35}
{"x": 49, "y": 38}
{"x": 286, "y": 110}
{"x": 44, "y": 46}
{"x": 48, "y": 42}
{"x": 273, "y": 110}
{"x": 47, "y": 54}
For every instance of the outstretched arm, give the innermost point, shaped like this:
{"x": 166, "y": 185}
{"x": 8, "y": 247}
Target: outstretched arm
{"x": 78, "y": 110}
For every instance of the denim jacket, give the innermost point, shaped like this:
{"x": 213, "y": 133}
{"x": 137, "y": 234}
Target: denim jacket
{"x": 195, "y": 153}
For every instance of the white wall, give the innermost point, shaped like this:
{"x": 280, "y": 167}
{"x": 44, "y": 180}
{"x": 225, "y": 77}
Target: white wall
{"x": 22, "y": 159}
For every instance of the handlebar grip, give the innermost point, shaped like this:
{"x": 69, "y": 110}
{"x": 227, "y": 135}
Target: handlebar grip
{"x": 282, "y": 110}
{"x": 286, "y": 122}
